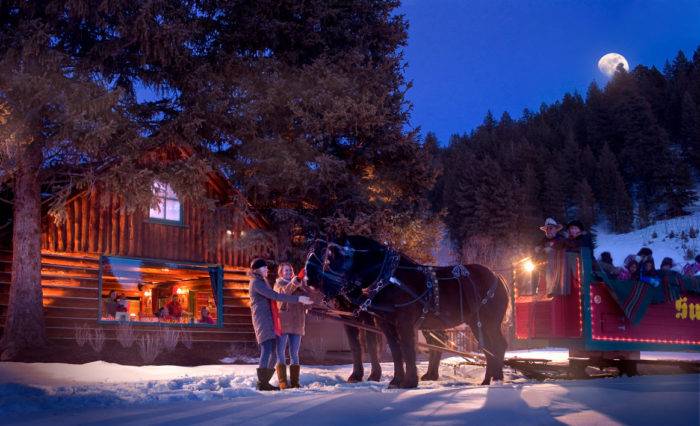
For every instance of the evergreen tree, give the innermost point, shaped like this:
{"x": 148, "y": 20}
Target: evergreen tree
{"x": 690, "y": 129}
{"x": 614, "y": 199}
{"x": 584, "y": 201}
{"x": 553, "y": 195}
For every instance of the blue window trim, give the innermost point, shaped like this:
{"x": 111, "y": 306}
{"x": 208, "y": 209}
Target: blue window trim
{"x": 173, "y": 265}
{"x": 158, "y": 221}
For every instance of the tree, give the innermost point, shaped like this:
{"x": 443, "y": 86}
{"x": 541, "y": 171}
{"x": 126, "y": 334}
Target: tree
{"x": 585, "y": 203}
{"x": 690, "y": 129}
{"x": 614, "y": 199}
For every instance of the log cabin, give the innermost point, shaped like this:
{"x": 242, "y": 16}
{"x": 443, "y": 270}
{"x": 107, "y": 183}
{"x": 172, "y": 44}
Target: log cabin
{"x": 167, "y": 265}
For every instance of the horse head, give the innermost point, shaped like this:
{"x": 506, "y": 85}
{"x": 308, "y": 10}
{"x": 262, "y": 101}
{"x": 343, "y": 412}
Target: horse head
{"x": 332, "y": 265}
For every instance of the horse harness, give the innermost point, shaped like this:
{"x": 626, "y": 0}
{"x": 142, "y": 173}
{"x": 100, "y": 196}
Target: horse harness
{"x": 430, "y": 298}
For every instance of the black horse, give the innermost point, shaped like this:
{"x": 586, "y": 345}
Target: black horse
{"x": 404, "y": 296}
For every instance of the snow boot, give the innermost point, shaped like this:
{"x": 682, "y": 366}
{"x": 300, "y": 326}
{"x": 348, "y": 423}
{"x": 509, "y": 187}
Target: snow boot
{"x": 282, "y": 375}
{"x": 294, "y": 375}
{"x": 264, "y": 376}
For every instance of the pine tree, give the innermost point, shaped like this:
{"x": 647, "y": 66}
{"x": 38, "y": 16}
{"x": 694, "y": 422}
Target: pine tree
{"x": 611, "y": 192}
{"x": 690, "y": 129}
{"x": 553, "y": 195}
{"x": 584, "y": 201}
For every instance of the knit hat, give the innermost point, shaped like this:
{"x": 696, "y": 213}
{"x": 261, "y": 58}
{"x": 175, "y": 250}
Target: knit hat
{"x": 550, "y": 222}
{"x": 258, "y": 262}
{"x": 606, "y": 257}
{"x": 576, "y": 223}
{"x": 667, "y": 261}
{"x": 644, "y": 251}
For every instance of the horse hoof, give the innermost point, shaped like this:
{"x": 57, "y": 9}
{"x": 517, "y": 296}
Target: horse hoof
{"x": 395, "y": 382}
{"x": 392, "y": 386}
{"x": 486, "y": 382}
{"x": 429, "y": 376}
{"x": 409, "y": 384}
{"x": 354, "y": 379}
{"x": 374, "y": 377}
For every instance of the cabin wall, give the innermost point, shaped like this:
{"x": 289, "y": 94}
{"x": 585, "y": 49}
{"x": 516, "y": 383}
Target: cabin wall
{"x": 99, "y": 224}
{"x": 71, "y": 251}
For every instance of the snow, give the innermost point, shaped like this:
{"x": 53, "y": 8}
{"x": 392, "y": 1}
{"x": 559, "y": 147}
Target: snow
{"x": 664, "y": 238}
{"x": 105, "y": 393}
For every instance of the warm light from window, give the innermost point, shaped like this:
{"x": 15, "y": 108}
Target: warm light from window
{"x": 183, "y": 290}
{"x": 229, "y": 232}
{"x": 147, "y": 293}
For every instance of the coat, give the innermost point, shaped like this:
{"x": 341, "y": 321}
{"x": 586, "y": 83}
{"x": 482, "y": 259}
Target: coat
{"x": 260, "y": 297}
{"x": 292, "y": 315}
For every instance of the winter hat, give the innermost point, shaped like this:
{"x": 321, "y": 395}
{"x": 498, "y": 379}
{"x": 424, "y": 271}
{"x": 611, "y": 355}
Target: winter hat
{"x": 576, "y": 223}
{"x": 550, "y": 222}
{"x": 606, "y": 257}
{"x": 644, "y": 251}
{"x": 697, "y": 258}
{"x": 257, "y": 263}
{"x": 667, "y": 262}
{"x": 631, "y": 259}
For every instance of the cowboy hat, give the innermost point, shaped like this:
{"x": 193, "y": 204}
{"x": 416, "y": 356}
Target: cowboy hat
{"x": 551, "y": 223}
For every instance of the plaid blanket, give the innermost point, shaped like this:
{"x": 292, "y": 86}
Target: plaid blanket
{"x": 633, "y": 297}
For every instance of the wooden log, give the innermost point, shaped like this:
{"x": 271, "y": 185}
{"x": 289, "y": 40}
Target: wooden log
{"x": 132, "y": 236}
{"x": 100, "y": 226}
{"x": 114, "y": 224}
{"x": 94, "y": 213}
{"x": 140, "y": 226}
{"x": 51, "y": 233}
{"x": 77, "y": 216}
{"x": 69, "y": 227}
{"x": 122, "y": 229}
{"x": 84, "y": 222}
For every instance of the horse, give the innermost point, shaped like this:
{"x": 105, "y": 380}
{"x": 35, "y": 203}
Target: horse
{"x": 404, "y": 296}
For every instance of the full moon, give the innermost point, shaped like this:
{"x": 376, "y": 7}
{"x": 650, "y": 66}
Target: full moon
{"x": 609, "y": 62}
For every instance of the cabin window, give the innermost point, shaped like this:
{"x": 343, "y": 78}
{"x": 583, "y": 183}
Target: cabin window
{"x": 152, "y": 291}
{"x": 166, "y": 205}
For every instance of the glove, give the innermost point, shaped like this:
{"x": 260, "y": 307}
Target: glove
{"x": 305, "y": 300}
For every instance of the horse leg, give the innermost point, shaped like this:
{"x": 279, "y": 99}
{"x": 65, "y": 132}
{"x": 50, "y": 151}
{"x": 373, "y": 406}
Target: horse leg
{"x": 373, "y": 341}
{"x": 392, "y": 338}
{"x": 357, "y": 368}
{"x": 407, "y": 340}
{"x": 434, "y": 356}
{"x": 500, "y": 345}
{"x": 488, "y": 351}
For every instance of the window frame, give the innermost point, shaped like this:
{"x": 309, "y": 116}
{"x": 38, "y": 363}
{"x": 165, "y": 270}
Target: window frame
{"x": 165, "y": 198}
{"x": 219, "y": 297}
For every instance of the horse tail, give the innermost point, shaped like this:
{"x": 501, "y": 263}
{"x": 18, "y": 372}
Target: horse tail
{"x": 509, "y": 306}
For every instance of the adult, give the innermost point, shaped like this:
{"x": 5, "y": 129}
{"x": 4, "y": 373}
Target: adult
{"x": 266, "y": 318}
{"x": 630, "y": 271}
{"x": 578, "y": 236}
{"x": 293, "y": 322}
{"x": 552, "y": 238}
{"x": 606, "y": 264}
{"x": 111, "y": 305}
{"x": 692, "y": 269}
{"x": 174, "y": 307}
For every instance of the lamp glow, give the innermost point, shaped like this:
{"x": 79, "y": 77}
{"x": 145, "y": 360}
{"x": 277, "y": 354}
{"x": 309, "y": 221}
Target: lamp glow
{"x": 528, "y": 266}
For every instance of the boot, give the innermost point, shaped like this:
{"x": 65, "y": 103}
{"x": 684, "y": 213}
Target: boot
{"x": 282, "y": 375}
{"x": 294, "y": 375}
{"x": 264, "y": 376}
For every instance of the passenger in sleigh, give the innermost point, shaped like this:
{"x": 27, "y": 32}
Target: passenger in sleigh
{"x": 630, "y": 270}
{"x": 547, "y": 253}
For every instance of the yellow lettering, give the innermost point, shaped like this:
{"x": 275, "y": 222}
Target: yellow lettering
{"x": 682, "y": 308}
{"x": 694, "y": 311}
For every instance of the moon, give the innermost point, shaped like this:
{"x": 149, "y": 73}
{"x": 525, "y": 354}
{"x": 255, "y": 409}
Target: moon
{"x": 609, "y": 62}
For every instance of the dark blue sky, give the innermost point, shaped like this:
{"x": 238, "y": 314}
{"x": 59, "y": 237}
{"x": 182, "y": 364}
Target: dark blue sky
{"x": 466, "y": 57}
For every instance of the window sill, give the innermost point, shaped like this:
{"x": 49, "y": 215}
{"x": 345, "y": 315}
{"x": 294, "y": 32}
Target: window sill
{"x": 166, "y": 222}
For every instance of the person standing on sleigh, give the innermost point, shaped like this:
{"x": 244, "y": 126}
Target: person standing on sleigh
{"x": 266, "y": 321}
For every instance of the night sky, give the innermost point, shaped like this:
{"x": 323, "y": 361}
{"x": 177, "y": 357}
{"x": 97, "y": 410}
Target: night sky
{"x": 467, "y": 57}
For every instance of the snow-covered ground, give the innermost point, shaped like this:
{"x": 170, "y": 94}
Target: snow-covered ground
{"x": 675, "y": 238}
{"x": 103, "y": 393}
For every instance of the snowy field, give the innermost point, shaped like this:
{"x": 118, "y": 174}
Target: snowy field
{"x": 100, "y": 393}
{"x": 675, "y": 238}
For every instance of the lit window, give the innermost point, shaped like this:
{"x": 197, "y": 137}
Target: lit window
{"x": 167, "y": 206}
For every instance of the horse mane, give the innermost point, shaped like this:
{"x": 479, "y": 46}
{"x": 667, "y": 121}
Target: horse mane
{"x": 365, "y": 243}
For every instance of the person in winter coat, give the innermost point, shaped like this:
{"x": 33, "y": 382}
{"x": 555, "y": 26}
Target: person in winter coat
{"x": 266, "y": 318}
{"x": 293, "y": 319}
{"x": 578, "y": 237}
{"x": 667, "y": 264}
{"x": 552, "y": 238}
{"x": 648, "y": 272}
{"x": 205, "y": 318}
{"x": 644, "y": 254}
{"x": 606, "y": 264}
{"x": 692, "y": 269}
{"x": 630, "y": 270}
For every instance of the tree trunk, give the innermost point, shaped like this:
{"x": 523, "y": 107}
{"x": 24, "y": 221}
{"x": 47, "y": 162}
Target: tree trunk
{"x": 24, "y": 326}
